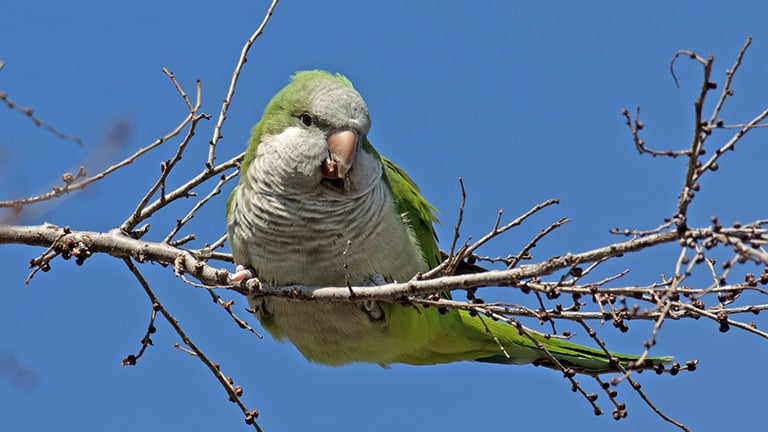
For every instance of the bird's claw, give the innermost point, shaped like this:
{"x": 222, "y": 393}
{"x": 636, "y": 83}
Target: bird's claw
{"x": 241, "y": 273}
{"x": 375, "y": 280}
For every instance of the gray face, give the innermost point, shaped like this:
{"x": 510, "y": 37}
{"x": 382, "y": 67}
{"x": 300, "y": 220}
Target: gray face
{"x": 295, "y": 162}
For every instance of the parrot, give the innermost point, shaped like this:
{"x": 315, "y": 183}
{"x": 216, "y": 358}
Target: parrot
{"x": 317, "y": 205}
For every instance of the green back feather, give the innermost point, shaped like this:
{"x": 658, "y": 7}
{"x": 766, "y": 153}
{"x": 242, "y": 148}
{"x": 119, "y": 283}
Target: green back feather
{"x": 416, "y": 211}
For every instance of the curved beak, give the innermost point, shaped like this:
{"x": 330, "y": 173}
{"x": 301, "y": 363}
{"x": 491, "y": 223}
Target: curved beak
{"x": 342, "y": 146}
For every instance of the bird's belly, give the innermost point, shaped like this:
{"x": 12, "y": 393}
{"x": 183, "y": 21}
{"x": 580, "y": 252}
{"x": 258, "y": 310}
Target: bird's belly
{"x": 328, "y": 333}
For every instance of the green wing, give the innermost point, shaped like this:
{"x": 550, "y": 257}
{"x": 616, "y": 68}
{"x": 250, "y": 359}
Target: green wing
{"x": 417, "y": 211}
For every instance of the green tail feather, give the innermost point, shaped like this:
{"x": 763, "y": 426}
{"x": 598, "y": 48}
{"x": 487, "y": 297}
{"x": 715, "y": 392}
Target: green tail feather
{"x": 429, "y": 336}
{"x": 582, "y": 358}
{"x": 570, "y": 355}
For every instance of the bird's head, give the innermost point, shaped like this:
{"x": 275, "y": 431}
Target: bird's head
{"x": 313, "y": 134}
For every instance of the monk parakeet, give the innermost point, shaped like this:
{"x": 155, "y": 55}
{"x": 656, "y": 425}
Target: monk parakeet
{"x": 317, "y": 205}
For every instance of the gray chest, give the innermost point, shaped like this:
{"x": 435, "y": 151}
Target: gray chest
{"x": 323, "y": 242}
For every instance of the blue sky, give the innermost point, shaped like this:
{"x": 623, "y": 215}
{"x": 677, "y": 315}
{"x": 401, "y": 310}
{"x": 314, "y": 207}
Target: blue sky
{"x": 521, "y": 99}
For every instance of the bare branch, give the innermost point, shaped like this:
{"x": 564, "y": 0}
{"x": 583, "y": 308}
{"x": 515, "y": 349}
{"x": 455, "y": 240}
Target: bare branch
{"x": 167, "y": 166}
{"x": 729, "y": 74}
{"x": 29, "y": 113}
{"x": 232, "y": 390}
{"x": 233, "y": 83}
{"x": 70, "y": 187}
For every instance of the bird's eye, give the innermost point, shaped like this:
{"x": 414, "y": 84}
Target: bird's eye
{"x": 306, "y": 119}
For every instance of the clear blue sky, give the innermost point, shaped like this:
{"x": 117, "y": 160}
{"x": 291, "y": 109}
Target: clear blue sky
{"x": 521, "y": 99}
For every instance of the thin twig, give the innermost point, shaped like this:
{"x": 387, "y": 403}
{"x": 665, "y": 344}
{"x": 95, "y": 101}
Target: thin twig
{"x": 635, "y": 385}
{"x": 232, "y": 390}
{"x": 136, "y": 217}
{"x": 224, "y": 179}
{"x": 182, "y": 191}
{"x": 532, "y": 244}
{"x": 233, "y": 83}
{"x": 729, "y": 74}
{"x": 146, "y": 340}
{"x": 87, "y": 181}
{"x": 29, "y": 113}
{"x": 697, "y": 142}
{"x": 228, "y": 308}
{"x": 459, "y": 220}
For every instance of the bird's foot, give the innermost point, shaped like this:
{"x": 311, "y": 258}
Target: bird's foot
{"x": 372, "y": 309}
{"x": 375, "y": 280}
{"x": 241, "y": 273}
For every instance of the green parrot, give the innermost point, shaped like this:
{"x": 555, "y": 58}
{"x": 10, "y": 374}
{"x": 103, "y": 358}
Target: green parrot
{"x": 317, "y": 205}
